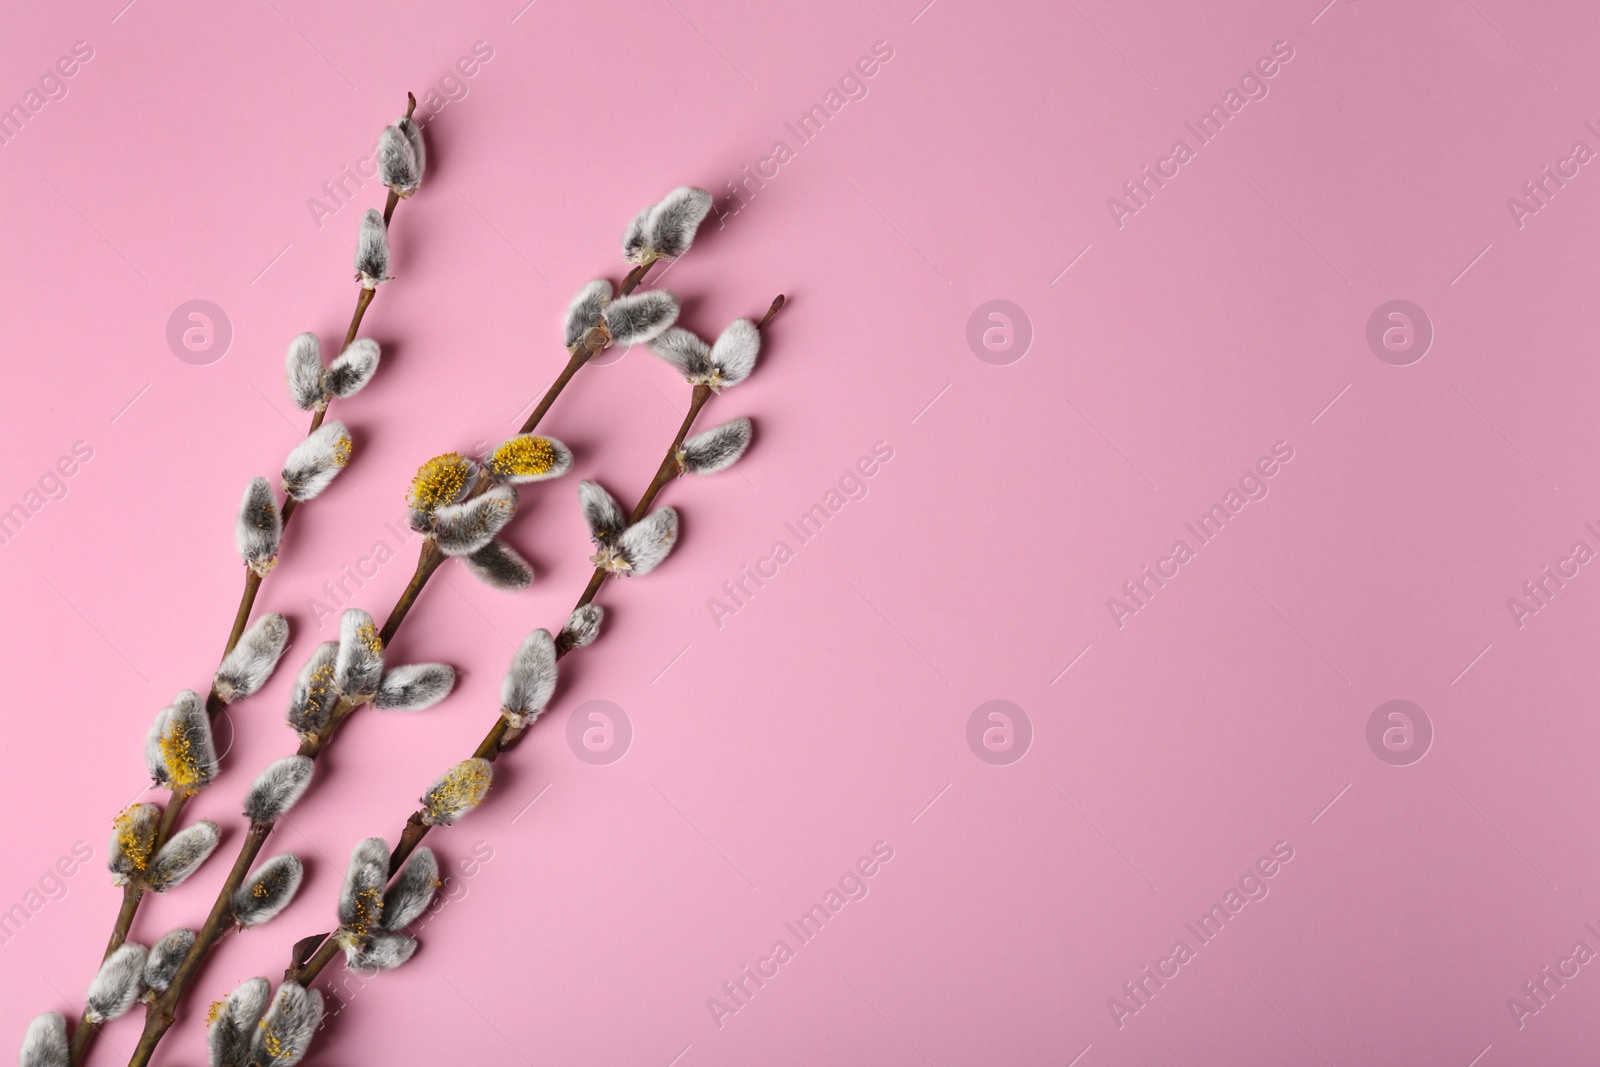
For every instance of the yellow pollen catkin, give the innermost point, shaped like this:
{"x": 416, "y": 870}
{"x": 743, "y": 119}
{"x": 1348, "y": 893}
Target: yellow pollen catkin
{"x": 213, "y": 1011}
{"x": 439, "y": 481}
{"x": 524, "y": 456}
{"x": 135, "y": 846}
{"x": 462, "y": 788}
{"x": 367, "y": 634}
{"x": 369, "y": 908}
{"x": 177, "y": 755}
{"x": 341, "y": 451}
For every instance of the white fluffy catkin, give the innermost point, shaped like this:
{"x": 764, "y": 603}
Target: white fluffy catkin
{"x": 716, "y": 449}
{"x": 269, "y": 889}
{"x": 415, "y": 686}
{"x": 602, "y": 513}
{"x": 303, "y": 364}
{"x": 316, "y": 461}
{"x": 530, "y": 681}
{"x": 165, "y": 957}
{"x": 733, "y": 355}
{"x": 584, "y": 311}
{"x": 181, "y": 856}
{"x": 361, "y": 895}
{"x": 643, "y": 546}
{"x": 686, "y": 351}
{"x": 258, "y": 531}
{"x": 311, "y": 703}
{"x": 358, "y": 667}
{"x": 402, "y": 157}
{"x": 666, "y": 228}
{"x": 582, "y": 627}
{"x": 246, "y": 669}
{"x": 45, "y": 1043}
{"x": 234, "y": 1023}
{"x": 412, "y": 891}
{"x": 379, "y": 952}
{"x": 118, "y": 985}
{"x": 462, "y": 529}
{"x": 372, "y": 250}
{"x": 352, "y": 370}
{"x": 499, "y": 566}
{"x": 284, "y": 1035}
{"x": 278, "y": 788}
{"x": 640, "y": 317}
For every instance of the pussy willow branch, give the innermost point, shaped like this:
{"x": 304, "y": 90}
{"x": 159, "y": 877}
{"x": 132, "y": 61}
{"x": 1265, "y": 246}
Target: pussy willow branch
{"x": 162, "y": 1012}
{"x": 502, "y": 737}
{"x": 133, "y": 893}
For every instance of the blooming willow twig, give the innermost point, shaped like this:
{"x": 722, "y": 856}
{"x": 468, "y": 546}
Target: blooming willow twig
{"x": 370, "y": 921}
{"x": 459, "y": 506}
{"x": 146, "y": 855}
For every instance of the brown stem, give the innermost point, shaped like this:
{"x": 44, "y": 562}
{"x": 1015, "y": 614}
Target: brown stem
{"x": 161, "y": 1014}
{"x": 502, "y": 736}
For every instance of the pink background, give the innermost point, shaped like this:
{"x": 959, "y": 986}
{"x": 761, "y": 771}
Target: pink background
{"x": 831, "y": 711}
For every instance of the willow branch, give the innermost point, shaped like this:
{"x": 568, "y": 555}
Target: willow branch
{"x": 502, "y": 736}
{"x": 162, "y": 1013}
{"x": 133, "y": 893}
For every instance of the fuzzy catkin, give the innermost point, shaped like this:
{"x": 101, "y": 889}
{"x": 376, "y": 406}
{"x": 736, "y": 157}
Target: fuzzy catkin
{"x": 269, "y": 889}
{"x": 499, "y": 566}
{"x": 716, "y": 449}
{"x": 117, "y": 985}
{"x": 414, "y": 687}
{"x": 531, "y": 679}
{"x": 412, "y": 891}
{"x": 182, "y": 855}
{"x": 246, "y": 669}
{"x": 165, "y": 957}
{"x": 278, "y": 788}
{"x": 45, "y": 1043}
{"x": 358, "y": 667}
{"x": 372, "y": 250}
{"x": 258, "y": 532}
{"x": 303, "y": 365}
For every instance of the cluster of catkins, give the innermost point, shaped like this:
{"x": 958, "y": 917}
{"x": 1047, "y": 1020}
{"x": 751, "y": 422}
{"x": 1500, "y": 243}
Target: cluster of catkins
{"x": 180, "y": 752}
{"x": 460, "y": 505}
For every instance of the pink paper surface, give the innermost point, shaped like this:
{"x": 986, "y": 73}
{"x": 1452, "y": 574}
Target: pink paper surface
{"x": 1162, "y": 344}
